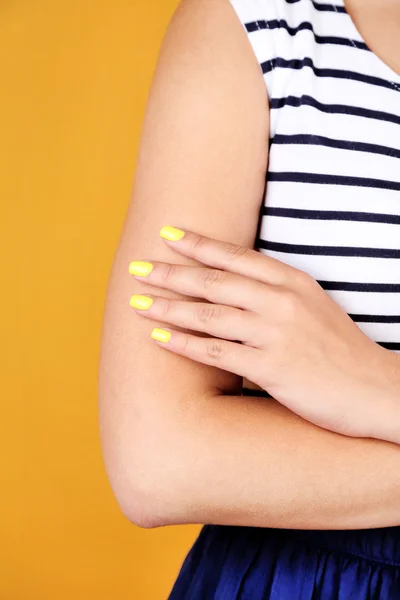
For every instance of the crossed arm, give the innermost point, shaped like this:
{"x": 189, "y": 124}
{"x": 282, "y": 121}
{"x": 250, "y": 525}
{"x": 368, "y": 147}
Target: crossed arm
{"x": 250, "y": 461}
{"x": 179, "y": 444}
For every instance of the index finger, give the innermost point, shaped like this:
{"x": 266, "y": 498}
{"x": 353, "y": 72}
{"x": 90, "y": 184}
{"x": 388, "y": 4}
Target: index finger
{"x": 228, "y": 256}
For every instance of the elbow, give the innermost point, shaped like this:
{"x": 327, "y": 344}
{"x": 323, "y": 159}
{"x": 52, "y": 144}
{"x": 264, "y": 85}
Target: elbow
{"x": 146, "y": 491}
{"x": 139, "y": 512}
{"x": 149, "y": 507}
{"x": 140, "y": 500}
{"x": 146, "y": 463}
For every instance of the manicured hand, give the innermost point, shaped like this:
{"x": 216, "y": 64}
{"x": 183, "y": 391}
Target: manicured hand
{"x": 274, "y": 325}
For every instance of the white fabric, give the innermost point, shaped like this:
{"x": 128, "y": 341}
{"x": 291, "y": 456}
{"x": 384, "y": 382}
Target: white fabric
{"x": 349, "y": 120}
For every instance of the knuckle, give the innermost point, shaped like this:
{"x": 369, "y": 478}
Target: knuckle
{"x": 303, "y": 278}
{"x": 213, "y": 277}
{"x": 168, "y": 309}
{"x": 199, "y": 241}
{"x": 185, "y": 343}
{"x": 214, "y": 349}
{"x": 289, "y": 305}
{"x": 235, "y": 251}
{"x": 207, "y": 312}
{"x": 168, "y": 272}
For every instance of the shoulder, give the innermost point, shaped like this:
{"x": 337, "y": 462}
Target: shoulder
{"x": 215, "y": 29}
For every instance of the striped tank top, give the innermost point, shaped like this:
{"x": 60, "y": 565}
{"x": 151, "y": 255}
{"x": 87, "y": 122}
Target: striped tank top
{"x": 332, "y": 197}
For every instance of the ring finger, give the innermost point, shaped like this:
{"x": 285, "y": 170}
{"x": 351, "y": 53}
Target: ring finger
{"x": 217, "y": 320}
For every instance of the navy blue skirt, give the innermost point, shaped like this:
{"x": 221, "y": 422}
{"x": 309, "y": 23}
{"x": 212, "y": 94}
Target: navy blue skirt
{"x": 248, "y": 563}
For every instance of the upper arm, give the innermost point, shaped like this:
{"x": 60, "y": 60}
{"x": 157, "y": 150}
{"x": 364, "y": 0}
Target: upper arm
{"x": 201, "y": 165}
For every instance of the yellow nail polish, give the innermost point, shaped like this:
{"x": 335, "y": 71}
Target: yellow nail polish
{"x": 142, "y": 302}
{"x": 161, "y": 335}
{"x": 139, "y": 267}
{"x": 173, "y": 234}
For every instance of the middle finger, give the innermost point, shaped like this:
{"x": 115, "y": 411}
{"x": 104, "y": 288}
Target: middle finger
{"x": 203, "y": 282}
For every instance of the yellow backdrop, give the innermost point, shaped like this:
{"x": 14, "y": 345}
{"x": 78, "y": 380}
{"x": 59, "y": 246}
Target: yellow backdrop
{"x": 75, "y": 75}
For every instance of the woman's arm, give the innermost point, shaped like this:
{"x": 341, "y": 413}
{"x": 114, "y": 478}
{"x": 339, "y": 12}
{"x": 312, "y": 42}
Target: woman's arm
{"x": 178, "y": 445}
{"x": 233, "y": 460}
{"x": 261, "y": 312}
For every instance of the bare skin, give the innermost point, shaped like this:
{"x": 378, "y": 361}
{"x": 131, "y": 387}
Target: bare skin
{"x": 179, "y": 444}
{"x": 378, "y": 22}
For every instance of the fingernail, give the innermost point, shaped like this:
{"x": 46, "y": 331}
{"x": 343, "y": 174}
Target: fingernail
{"x": 173, "y": 234}
{"x": 142, "y": 302}
{"x": 139, "y": 267}
{"x": 161, "y": 335}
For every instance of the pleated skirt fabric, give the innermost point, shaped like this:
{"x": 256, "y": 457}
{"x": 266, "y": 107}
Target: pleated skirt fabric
{"x": 246, "y": 563}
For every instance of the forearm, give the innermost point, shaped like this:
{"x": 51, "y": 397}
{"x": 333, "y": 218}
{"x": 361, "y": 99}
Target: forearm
{"x": 252, "y": 462}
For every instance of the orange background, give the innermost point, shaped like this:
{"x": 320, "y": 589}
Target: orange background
{"x": 75, "y": 75}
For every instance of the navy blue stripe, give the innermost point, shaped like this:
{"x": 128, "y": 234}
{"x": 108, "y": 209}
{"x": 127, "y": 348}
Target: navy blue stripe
{"x": 322, "y": 7}
{"x": 329, "y": 250}
{"x": 322, "y": 178}
{"x": 344, "y": 286}
{"x": 329, "y": 215}
{"x": 304, "y": 26}
{"x": 344, "y": 109}
{"x": 319, "y": 140}
{"x": 375, "y": 318}
{"x": 249, "y": 392}
{"x": 389, "y": 345}
{"x": 300, "y": 63}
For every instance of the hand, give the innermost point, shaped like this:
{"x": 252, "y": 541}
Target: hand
{"x": 276, "y": 326}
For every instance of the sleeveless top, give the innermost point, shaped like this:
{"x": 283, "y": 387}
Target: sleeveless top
{"x": 332, "y": 197}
